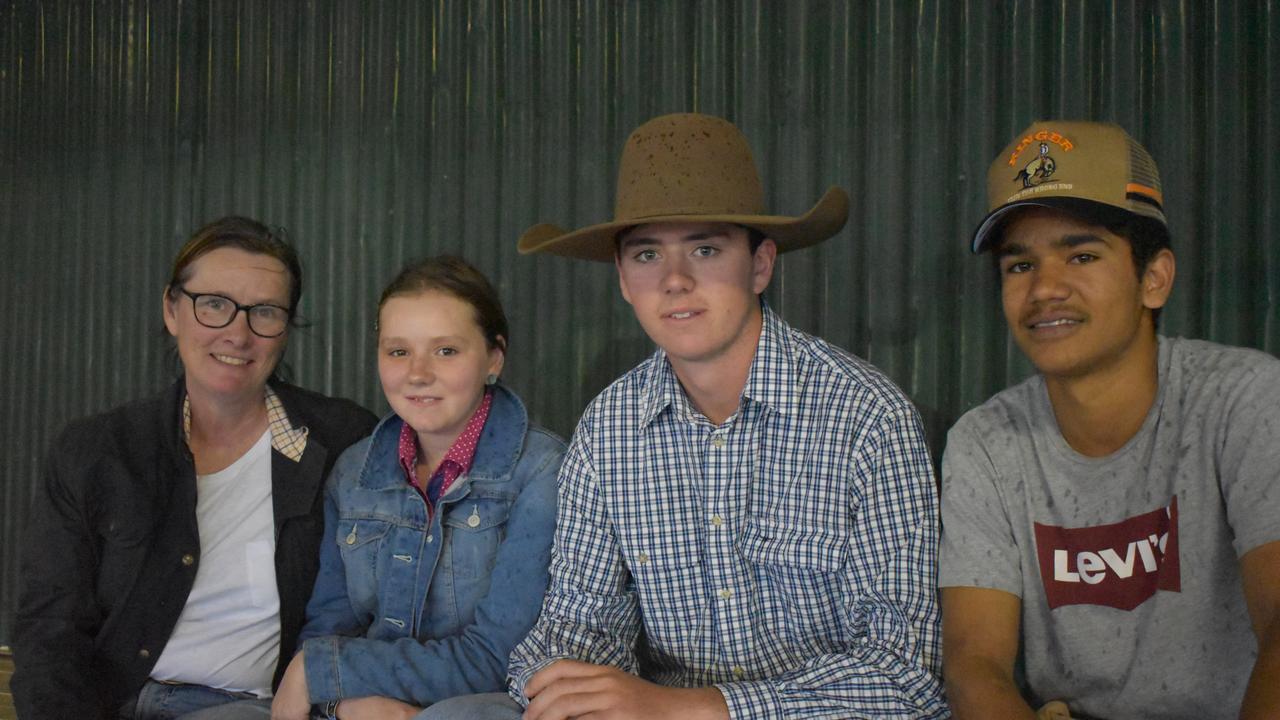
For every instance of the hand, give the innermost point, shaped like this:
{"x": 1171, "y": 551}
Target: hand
{"x": 1054, "y": 710}
{"x": 376, "y": 708}
{"x": 291, "y": 701}
{"x": 572, "y": 689}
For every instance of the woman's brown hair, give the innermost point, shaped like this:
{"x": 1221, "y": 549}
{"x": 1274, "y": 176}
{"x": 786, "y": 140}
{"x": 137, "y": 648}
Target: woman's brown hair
{"x": 243, "y": 233}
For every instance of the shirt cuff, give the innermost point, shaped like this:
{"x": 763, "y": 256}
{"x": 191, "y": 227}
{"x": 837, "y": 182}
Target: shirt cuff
{"x": 758, "y": 699}
{"x": 516, "y": 683}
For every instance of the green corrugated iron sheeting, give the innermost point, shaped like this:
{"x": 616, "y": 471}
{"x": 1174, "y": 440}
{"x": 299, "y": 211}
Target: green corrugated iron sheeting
{"x": 380, "y": 131}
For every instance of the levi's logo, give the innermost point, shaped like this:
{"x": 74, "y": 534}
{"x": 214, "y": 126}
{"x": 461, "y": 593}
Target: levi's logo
{"x": 1118, "y": 565}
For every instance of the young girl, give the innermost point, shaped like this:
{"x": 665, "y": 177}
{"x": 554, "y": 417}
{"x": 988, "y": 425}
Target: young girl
{"x": 439, "y": 525}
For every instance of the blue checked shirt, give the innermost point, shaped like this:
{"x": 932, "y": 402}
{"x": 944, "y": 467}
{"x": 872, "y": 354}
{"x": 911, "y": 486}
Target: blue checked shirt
{"x": 787, "y": 556}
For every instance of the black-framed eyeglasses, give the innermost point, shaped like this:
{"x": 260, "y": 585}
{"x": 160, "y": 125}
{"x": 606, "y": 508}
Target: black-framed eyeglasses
{"x": 217, "y": 311}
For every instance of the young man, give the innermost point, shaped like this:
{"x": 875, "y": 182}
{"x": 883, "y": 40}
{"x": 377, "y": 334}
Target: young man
{"x": 1111, "y": 525}
{"x": 747, "y": 525}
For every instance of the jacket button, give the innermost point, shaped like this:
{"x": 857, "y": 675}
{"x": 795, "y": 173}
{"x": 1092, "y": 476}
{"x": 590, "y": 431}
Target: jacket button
{"x": 144, "y": 653}
{"x": 188, "y": 559}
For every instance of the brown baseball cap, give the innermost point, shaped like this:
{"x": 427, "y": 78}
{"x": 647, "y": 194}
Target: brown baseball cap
{"x": 690, "y": 168}
{"x": 1093, "y": 170}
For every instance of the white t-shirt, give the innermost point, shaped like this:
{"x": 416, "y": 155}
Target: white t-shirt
{"x": 228, "y": 635}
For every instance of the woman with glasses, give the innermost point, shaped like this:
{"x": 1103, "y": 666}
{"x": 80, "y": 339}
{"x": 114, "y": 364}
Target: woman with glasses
{"x": 434, "y": 562}
{"x": 173, "y": 541}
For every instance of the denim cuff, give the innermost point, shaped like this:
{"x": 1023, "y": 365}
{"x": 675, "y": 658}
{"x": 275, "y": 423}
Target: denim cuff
{"x": 320, "y": 659}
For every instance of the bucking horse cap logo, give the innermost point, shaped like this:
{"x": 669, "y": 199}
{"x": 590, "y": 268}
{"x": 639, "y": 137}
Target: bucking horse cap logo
{"x": 1041, "y": 167}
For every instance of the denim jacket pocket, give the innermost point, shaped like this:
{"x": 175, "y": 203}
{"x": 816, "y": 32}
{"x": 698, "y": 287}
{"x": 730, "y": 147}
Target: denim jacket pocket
{"x": 359, "y": 540}
{"x": 476, "y": 526}
{"x": 800, "y": 576}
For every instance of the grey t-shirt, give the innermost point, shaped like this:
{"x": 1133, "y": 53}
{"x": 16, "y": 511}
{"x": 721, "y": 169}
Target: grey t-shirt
{"x": 1127, "y": 565}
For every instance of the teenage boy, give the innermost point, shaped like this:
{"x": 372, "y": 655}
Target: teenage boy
{"x": 748, "y": 522}
{"x": 1112, "y": 524}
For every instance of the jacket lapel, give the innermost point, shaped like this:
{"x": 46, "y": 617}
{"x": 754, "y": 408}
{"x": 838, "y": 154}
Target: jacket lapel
{"x": 295, "y": 485}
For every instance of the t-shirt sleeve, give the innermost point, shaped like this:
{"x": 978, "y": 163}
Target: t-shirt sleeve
{"x": 978, "y": 547}
{"x": 1250, "y": 459}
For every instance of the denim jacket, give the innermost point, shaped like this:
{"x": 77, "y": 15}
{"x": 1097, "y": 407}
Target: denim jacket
{"x": 422, "y": 610}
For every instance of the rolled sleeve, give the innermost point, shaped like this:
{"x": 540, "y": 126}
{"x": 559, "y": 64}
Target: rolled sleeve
{"x": 322, "y": 661}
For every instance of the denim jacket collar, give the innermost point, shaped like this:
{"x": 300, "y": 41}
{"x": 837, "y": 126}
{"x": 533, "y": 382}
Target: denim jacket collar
{"x": 496, "y": 453}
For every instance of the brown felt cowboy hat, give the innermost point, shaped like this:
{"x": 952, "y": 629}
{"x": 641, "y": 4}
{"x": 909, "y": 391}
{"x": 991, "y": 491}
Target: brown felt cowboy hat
{"x": 689, "y": 167}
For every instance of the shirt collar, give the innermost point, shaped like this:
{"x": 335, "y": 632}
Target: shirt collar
{"x": 286, "y": 438}
{"x": 662, "y": 388}
{"x": 463, "y": 450}
{"x": 407, "y": 453}
{"x": 770, "y": 382}
{"x": 461, "y": 454}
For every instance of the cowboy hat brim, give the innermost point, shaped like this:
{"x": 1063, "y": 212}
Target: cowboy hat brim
{"x": 596, "y": 242}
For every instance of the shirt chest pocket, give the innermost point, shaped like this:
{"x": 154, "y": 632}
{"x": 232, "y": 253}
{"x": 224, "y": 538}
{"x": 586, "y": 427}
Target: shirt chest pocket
{"x": 669, "y": 578}
{"x": 799, "y": 574}
{"x": 475, "y": 527}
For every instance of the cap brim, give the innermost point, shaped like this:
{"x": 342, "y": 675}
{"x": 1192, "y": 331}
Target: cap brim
{"x": 1091, "y": 211}
{"x": 596, "y": 242}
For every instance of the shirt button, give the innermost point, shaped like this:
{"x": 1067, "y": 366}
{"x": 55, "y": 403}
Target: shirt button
{"x": 717, "y": 520}
{"x": 144, "y": 653}
{"x": 738, "y": 672}
{"x": 188, "y": 559}
{"x": 726, "y": 594}
{"x": 642, "y": 558}
{"x": 717, "y": 440}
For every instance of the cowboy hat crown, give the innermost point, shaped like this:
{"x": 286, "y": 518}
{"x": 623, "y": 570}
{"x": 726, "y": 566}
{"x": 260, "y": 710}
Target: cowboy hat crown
{"x": 689, "y": 167}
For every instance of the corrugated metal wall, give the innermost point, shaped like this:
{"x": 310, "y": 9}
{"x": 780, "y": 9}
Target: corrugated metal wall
{"x": 384, "y": 130}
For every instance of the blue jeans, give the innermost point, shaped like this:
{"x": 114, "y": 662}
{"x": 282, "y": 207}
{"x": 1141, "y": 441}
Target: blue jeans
{"x": 487, "y": 706}
{"x": 163, "y": 701}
